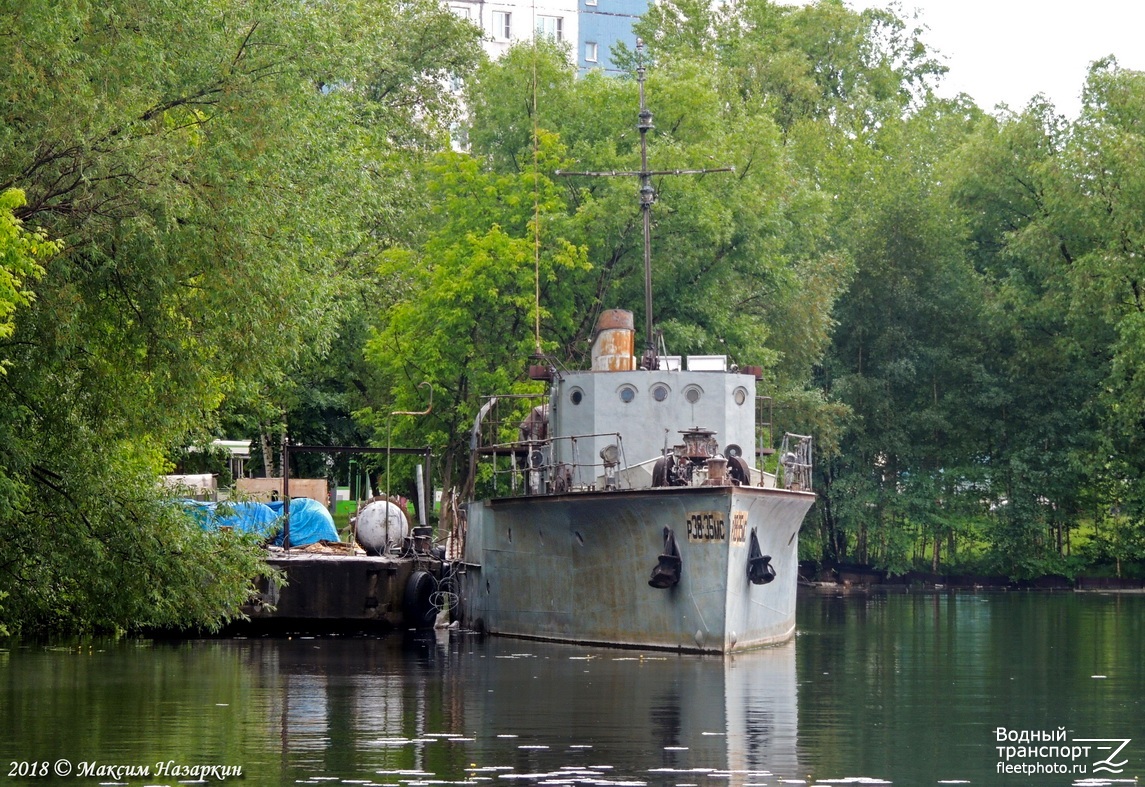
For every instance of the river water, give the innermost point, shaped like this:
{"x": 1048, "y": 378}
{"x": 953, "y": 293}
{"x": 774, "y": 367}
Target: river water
{"x": 915, "y": 689}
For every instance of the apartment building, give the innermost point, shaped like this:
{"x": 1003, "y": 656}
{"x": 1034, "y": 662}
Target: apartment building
{"x": 589, "y": 27}
{"x": 602, "y": 24}
{"x": 505, "y": 21}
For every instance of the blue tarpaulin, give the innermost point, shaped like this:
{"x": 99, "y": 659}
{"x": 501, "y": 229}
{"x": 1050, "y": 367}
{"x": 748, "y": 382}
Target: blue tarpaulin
{"x": 310, "y": 522}
{"x": 247, "y": 517}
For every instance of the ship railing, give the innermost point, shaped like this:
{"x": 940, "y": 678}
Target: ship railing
{"x": 528, "y": 467}
{"x": 794, "y": 470}
{"x": 764, "y": 436}
{"x": 511, "y": 417}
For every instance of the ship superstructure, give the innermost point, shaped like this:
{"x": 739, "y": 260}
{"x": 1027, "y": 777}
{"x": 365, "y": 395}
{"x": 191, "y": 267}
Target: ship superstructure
{"x": 632, "y": 504}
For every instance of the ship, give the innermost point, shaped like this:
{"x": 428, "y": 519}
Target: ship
{"x": 639, "y": 503}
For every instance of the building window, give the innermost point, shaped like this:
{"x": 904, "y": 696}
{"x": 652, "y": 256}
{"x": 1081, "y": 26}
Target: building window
{"x": 462, "y": 11}
{"x": 502, "y": 25}
{"x": 551, "y": 26}
{"x": 590, "y": 2}
{"x": 590, "y": 51}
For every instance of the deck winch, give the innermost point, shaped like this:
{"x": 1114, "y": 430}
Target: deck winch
{"x": 698, "y": 462}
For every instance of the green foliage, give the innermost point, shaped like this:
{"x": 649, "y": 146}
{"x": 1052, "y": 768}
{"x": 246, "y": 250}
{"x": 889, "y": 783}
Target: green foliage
{"x": 111, "y": 554}
{"x": 993, "y": 352}
{"x": 820, "y": 62}
{"x": 739, "y": 268}
{"x": 469, "y": 317}
{"x": 21, "y": 256}
{"x": 245, "y": 196}
{"x": 221, "y": 174}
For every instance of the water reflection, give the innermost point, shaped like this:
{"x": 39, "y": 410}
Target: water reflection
{"x": 649, "y": 716}
{"x": 453, "y": 709}
{"x": 760, "y": 695}
{"x": 891, "y": 690}
{"x": 912, "y": 688}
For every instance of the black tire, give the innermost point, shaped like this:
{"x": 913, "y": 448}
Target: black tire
{"x": 417, "y": 604}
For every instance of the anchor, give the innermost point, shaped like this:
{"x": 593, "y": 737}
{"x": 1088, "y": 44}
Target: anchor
{"x": 666, "y": 573}
{"x": 759, "y": 568}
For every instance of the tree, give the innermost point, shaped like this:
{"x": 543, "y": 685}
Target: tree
{"x": 819, "y": 62}
{"x": 1095, "y": 197}
{"x": 218, "y": 172}
{"x": 733, "y": 253}
{"x": 21, "y": 256}
{"x": 468, "y": 318}
{"x": 908, "y": 351}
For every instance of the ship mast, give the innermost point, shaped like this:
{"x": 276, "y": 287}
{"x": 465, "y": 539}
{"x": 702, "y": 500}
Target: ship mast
{"x": 650, "y": 359}
{"x": 647, "y": 197}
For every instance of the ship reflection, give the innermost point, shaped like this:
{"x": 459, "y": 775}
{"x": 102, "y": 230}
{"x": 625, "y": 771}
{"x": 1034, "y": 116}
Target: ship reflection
{"x": 762, "y": 712}
{"x": 458, "y": 706}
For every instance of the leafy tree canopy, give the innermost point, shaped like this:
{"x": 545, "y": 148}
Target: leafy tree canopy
{"x": 218, "y": 173}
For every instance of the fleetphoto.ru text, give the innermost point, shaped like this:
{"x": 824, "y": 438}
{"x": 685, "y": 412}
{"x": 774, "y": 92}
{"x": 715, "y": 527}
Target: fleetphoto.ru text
{"x": 1038, "y": 752}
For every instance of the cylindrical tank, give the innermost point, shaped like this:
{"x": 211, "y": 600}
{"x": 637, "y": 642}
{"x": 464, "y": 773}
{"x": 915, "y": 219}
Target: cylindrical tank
{"x": 612, "y": 347}
{"x": 381, "y": 524}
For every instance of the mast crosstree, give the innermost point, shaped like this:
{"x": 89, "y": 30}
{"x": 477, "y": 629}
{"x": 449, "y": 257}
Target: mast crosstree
{"x": 650, "y": 359}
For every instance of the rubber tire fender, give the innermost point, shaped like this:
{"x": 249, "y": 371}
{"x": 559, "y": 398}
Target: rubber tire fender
{"x": 417, "y": 603}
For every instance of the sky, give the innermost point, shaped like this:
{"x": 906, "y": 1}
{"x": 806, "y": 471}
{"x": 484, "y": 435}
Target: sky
{"x": 1006, "y": 51}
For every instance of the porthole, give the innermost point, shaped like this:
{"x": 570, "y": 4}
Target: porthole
{"x": 660, "y": 392}
{"x": 627, "y": 394}
{"x": 577, "y": 396}
{"x": 693, "y": 393}
{"x": 740, "y": 395}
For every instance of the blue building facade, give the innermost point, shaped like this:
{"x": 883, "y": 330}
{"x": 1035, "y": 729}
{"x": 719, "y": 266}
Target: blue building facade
{"x": 603, "y": 23}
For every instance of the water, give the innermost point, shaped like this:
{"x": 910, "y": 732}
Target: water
{"x": 904, "y": 689}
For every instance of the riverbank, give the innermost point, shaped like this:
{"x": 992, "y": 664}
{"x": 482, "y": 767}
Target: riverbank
{"x": 843, "y": 578}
